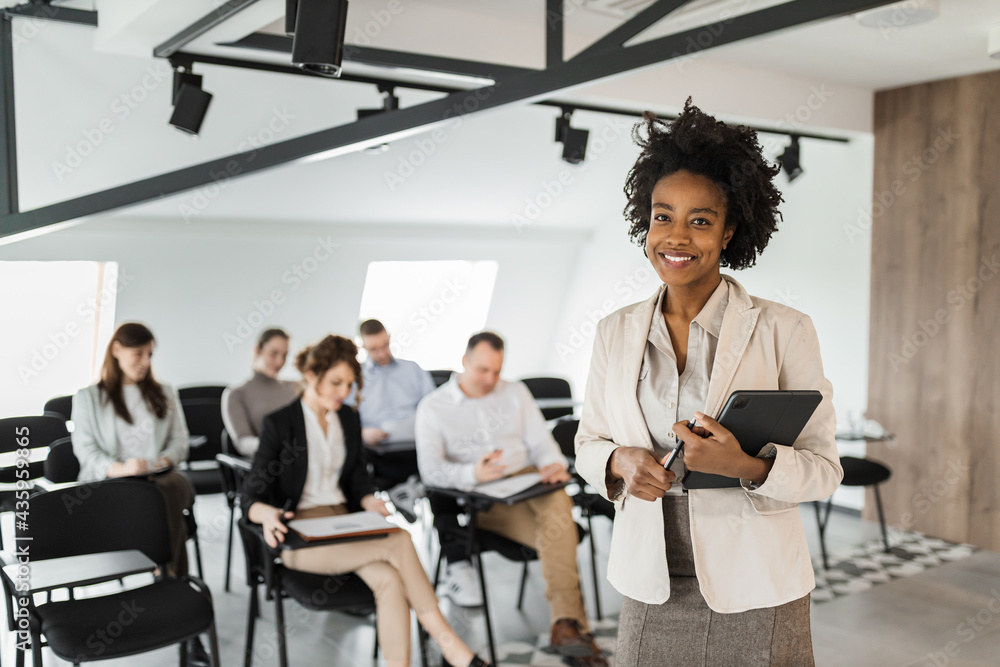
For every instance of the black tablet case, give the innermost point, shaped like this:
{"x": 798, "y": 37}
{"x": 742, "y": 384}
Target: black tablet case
{"x": 757, "y": 418}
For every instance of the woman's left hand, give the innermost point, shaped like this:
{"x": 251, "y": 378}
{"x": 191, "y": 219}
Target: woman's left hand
{"x": 372, "y": 504}
{"x": 712, "y": 448}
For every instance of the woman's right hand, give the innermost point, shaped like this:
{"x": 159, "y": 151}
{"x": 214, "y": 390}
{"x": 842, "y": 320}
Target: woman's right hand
{"x": 273, "y": 525}
{"x": 645, "y": 478}
{"x": 128, "y": 468}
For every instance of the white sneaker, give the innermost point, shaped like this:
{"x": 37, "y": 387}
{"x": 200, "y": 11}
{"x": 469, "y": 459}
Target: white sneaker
{"x": 462, "y": 585}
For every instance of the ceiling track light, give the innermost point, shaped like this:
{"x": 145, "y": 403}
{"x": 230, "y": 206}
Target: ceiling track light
{"x": 318, "y": 37}
{"x": 189, "y": 100}
{"x": 791, "y": 162}
{"x": 389, "y": 102}
{"x": 574, "y": 140}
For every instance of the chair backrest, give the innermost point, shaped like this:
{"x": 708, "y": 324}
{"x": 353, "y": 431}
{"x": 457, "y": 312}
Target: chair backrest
{"x": 60, "y": 406}
{"x": 565, "y": 434}
{"x": 202, "y": 391}
{"x": 440, "y": 377}
{"x": 61, "y": 465}
{"x": 234, "y": 471}
{"x": 31, "y": 433}
{"x": 204, "y": 418}
{"x": 110, "y": 515}
{"x": 548, "y": 387}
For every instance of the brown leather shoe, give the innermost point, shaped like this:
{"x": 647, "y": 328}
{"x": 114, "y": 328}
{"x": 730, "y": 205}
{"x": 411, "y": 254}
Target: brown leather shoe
{"x": 569, "y": 639}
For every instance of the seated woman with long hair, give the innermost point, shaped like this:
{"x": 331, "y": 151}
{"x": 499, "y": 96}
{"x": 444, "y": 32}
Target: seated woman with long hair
{"x": 309, "y": 457}
{"x": 130, "y": 425}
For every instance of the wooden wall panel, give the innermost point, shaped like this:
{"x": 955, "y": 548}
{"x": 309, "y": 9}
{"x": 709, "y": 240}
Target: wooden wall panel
{"x": 934, "y": 364}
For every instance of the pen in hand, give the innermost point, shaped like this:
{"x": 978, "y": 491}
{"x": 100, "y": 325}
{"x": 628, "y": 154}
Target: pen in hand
{"x": 678, "y": 449}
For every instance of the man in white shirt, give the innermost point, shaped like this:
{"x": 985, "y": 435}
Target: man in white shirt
{"x": 478, "y": 428}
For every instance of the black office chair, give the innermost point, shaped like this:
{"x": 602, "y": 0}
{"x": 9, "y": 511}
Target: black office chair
{"x": 440, "y": 377}
{"x": 203, "y": 415}
{"x": 62, "y": 467}
{"x": 61, "y": 464}
{"x": 548, "y": 387}
{"x": 590, "y": 504}
{"x": 484, "y": 542}
{"x": 234, "y": 471}
{"x": 115, "y": 515}
{"x": 857, "y": 472}
{"x": 318, "y": 592}
{"x": 208, "y": 391}
{"x": 29, "y": 435}
{"x": 60, "y": 406}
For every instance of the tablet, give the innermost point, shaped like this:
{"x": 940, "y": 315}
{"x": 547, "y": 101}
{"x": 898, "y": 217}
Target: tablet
{"x": 757, "y": 418}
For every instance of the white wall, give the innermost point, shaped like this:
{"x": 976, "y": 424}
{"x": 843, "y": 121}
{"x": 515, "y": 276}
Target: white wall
{"x": 194, "y": 284}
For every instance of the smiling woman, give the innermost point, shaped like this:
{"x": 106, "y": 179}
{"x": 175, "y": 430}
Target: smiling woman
{"x": 701, "y": 197}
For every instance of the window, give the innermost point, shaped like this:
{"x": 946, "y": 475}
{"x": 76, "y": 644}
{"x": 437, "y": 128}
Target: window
{"x": 58, "y": 318}
{"x": 429, "y": 308}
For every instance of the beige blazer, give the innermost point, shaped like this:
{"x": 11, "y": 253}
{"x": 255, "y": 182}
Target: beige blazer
{"x": 95, "y": 440}
{"x": 750, "y": 548}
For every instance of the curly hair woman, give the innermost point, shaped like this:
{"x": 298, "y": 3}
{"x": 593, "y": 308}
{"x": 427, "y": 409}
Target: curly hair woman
{"x": 725, "y": 576}
{"x": 309, "y": 458}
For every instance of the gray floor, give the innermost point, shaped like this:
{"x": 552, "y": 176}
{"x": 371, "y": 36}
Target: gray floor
{"x": 907, "y": 622}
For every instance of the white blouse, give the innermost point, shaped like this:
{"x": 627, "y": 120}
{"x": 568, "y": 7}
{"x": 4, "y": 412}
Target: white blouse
{"x": 326, "y": 454}
{"x": 135, "y": 440}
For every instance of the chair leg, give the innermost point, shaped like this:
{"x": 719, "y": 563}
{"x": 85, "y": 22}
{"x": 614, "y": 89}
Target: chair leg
{"x": 229, "y": 546}
{"x": 375, "y": 652}
{"x": 593, "y": 565}
{"x": 36, "y": 649}
{"x": 881, "y": 517}
{"x": 213, "y": 640}
{"x": 182, "y": 647}
{"x": 437, "y": 569}
{"x": 486, "y": 606}
{"x": 279, "y": 622}
{"x": 524, "y": 581}
{"x": 197, "y": 556}
{"x": 252, "y": 613}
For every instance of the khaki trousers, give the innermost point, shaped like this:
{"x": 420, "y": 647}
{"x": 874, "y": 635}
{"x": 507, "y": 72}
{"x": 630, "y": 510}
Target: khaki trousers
{"x": 388, "y": 565}
{"x": 545, "y": 523}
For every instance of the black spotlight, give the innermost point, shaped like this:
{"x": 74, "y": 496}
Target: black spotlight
{"x": 574, "y": 140}
{"x": 318, "y": 43}
{"x": 190, "y": 102}
{"x": 389, "y": 103}
{"x": 790, "y": 160}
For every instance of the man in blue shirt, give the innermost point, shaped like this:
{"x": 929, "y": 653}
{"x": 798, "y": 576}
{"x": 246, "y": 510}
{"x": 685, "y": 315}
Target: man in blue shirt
{"x": 392, "y": 389}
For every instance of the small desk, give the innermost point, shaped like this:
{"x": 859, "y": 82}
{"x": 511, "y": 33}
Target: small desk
{"x": 476, "y": 502}
{"x": 398, "y": 447}
{"x": 86, "y": 570}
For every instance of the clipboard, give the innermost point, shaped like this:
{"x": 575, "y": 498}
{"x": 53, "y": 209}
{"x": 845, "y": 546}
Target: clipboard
{"x": 756, "y": 418}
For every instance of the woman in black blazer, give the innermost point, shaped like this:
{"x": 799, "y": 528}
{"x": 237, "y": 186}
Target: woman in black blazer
{"x": 312, "y": 463}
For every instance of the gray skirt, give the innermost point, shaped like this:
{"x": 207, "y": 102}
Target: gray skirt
{"x": 685, "y": 631}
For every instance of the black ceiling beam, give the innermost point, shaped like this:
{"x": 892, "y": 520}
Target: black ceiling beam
{"x": 632, "y": 27}
{"x": 367, "y": 55}
{"x": 528, "y": 87}
{"x": 210, "y": 20}
{"x": 188, "y": 59}
{"x": 43, "y": 10}
{"x": 8, "y": 136}
{"x": 554, "y": 31}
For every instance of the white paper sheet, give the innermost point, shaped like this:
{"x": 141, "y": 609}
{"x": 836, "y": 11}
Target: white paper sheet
{"x": 400, "y": 431}
{"x": 508, "y": 486}
{"x": 344, "y": 524}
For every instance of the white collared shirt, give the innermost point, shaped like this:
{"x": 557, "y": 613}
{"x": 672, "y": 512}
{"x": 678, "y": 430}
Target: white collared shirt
{"x": 326, "y": 454}
{"x": 454, "y": 431}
